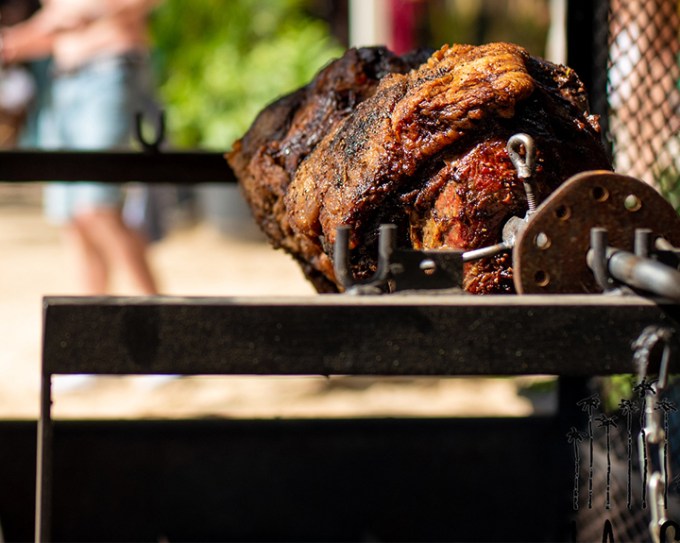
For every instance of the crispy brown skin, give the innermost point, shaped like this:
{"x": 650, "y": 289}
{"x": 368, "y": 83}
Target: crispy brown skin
{"x": 266, "y": 159}
{"x": 425, "y": 150}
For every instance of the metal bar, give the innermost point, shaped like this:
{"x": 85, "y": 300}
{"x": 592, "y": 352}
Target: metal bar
{"x": 633, "y": 270}
{"x": 43, "y": 493}
{"x": 335, "y": 334}
{"x": 115, "y": 166}
{"x": 644, "y": 273}
{"x": 483, "y": 252}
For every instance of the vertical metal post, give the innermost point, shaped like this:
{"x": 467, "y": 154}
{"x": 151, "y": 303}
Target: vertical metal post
{"x": 580, "y": 25}
{"x": 43, "y": 479}
{"x": 643, "y": 242}
{"x": 590, "y": 57}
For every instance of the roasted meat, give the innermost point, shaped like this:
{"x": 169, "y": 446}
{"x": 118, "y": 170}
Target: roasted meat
{"x": 419, "y": 143}
{"x": 266, "y": 158}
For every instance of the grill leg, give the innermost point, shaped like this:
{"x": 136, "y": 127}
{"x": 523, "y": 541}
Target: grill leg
{"x": 43, "y": 493}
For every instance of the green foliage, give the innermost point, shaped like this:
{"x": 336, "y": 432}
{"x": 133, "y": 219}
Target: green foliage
{"x": 220, "y": 62}
{"x": 668, "y": 180}
{"x": 616, "y": 388}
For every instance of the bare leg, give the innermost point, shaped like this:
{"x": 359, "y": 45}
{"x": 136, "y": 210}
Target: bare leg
{"x": 117, "y": 246}
{"x": 91, "y": 268}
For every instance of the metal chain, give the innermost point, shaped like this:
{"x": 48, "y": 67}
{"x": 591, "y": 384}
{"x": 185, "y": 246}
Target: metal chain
{"x": 652, "y": 436}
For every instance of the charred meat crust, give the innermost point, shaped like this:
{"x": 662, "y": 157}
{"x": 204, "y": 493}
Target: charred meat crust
{"x": 376, "y": 139}
{"x": 266, "y": 159}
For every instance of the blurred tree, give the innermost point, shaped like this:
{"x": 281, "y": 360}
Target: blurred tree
{"x": 219, "y": 63}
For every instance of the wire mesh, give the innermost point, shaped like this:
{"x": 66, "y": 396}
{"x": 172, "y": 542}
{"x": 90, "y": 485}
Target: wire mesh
{"x": 643, "y": 91}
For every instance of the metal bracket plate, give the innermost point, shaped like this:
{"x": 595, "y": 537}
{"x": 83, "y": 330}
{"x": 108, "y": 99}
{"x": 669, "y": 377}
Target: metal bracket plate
{"x": 550, "y": 255}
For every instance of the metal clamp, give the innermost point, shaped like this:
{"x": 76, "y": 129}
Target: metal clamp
{"x": 399, "y": 269}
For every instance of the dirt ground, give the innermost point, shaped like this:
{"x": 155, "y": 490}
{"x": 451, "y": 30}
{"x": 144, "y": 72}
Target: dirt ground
{"x": 197, "y": 259}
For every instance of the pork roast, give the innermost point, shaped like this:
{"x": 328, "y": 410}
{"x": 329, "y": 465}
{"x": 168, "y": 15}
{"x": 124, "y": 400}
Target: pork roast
{"x": 417, "y": 142}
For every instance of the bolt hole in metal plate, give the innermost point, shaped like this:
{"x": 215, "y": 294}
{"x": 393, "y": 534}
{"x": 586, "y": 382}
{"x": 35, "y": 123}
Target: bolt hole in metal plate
{"x": 550, "y": 254}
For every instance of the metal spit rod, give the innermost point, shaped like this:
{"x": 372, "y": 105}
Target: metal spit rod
{"x": 630, "y": 269}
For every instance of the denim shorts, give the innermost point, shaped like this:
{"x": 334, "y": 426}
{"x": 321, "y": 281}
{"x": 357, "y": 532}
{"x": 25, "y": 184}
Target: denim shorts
{"x": 92, "y": 108}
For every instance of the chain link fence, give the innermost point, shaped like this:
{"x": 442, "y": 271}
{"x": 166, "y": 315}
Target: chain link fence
{"x": 643, "y": 93}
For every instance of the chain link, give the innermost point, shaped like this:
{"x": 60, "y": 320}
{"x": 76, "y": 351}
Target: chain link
{"x": 652, "y": 437}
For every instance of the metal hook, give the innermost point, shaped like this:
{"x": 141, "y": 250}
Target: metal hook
{"x": 642, "y": 351}
{"x": 525, "y": 165}
{"x": 154, "y": 145}
{"x": 378, "y": 281}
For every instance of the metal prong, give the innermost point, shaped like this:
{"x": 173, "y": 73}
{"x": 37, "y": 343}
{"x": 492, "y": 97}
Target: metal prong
{"x": 597, "y": 258}
{"x": 662, "y": 244}
{"x": 491, "y": 250}
{"x": 643, "y": 242}
{"x": 342, "y": 268}
{"x": 341, "y": 257}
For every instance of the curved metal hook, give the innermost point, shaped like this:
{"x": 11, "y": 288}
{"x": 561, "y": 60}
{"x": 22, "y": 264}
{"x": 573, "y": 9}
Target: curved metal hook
{"x": 154, "y": 145}
{"x": 523, "y": 164}
{"x": 642, "y": 352}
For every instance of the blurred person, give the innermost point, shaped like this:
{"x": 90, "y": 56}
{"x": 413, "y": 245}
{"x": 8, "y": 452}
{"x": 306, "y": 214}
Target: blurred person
{"x": 100, "y": 79}
{"x": 17, "y": 84}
